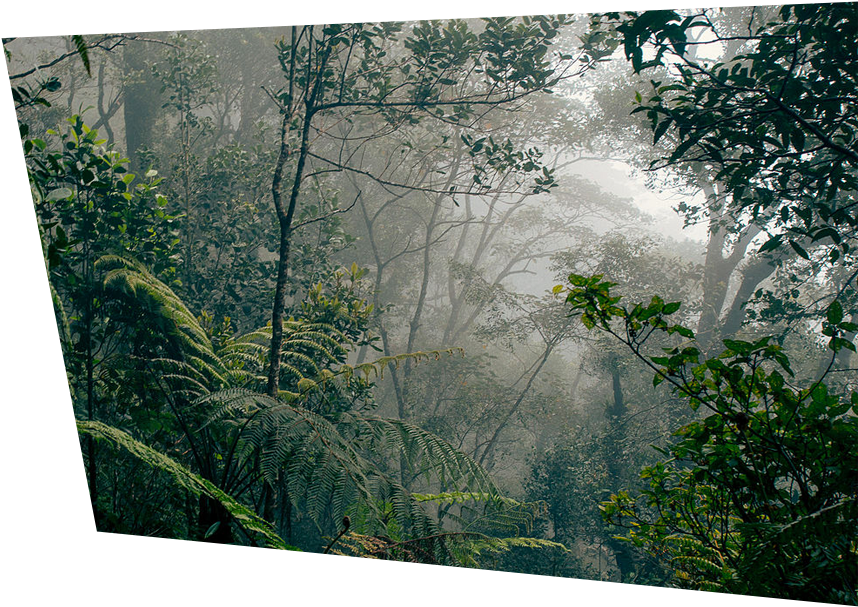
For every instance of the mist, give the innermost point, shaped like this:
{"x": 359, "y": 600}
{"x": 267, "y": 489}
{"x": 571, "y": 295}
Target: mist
{"x": 372, "y": 289}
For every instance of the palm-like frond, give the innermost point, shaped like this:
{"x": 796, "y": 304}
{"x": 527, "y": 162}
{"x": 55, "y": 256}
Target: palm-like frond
{"x": 376, "y": 368}
{"x": 83, "y": 50}
{"x": 470, "y": 547}
{"x": 428, "y": 455}
{"x": 129, "y": 280}
{"x": 196, "y": 485}
{"x": 310, "y": 438}
{"x": 326, "y": 465}
{"x": 487, "y": 513}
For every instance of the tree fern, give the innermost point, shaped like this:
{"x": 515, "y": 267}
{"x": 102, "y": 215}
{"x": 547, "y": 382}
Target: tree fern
{"x": 131, "y": 282}
{"x": 252, "y": 524}
{"x": 311, "y": 440}
{"x": 491, "y": 524}
{"x": 470, "y": 548}
{"x": 487, "y": 513}
{"x": 327, "y": 465}
{"x": 464, "y": 549}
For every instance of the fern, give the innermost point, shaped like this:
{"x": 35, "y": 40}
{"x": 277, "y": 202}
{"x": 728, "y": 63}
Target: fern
{"x": 700, "y": 566}
{"x": 376, "y": 368}
{"x": 321, "y": 452}
{"x": 83, "y": 51}
{"x": 196, "y": 485}
{"x": 464, "y": 549}
{"x": 489, "y": 513}
{"x": 130, "y": 281}
{"x": 327, "y": 472}
{"x": 470, "y": 547}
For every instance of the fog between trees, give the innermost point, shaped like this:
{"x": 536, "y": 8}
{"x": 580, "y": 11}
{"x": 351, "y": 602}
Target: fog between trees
{"x": 387, "y": 208}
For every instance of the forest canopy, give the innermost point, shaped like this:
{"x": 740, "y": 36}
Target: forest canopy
{"x": 304, "y": 281}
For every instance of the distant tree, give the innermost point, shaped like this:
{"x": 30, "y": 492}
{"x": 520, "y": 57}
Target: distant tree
{"x": 339, "y": 74}
{"x": 774, "y": 121}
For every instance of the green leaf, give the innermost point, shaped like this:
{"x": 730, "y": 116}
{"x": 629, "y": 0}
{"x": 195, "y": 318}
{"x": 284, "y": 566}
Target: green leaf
{"x": 771, "y": 243}
{"x": 672, "y": 307}
{"x": 798, "y": 249}
{"x": 835, "y": 313}
{"x": 660, "y": 130}
{"x": 211, "y": 530}
{"x": 59, "y": 194}
{"x": 738, "y": 346}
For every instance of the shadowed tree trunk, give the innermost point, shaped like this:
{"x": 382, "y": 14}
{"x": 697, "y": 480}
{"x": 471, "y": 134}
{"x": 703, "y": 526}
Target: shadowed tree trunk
{"x": 141, "y": 102}
{"x": 616, "y": 434}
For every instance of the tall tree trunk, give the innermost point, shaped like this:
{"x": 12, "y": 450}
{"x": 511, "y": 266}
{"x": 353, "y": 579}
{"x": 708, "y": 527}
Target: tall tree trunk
{"x": 717, "y": 273}
{"x": 614, "y": 445}
{"x": 285, "y": 214}
{"x": 141, "y": 102}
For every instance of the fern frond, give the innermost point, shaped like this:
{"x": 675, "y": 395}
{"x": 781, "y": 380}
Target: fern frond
{"x": 237, "y": 399}
{"x": 455, "y": 548}
{"x": 377, "y": 366}
{"x": 186, "y": 479}
{"x": 300, "y": 356}
{"x": 130, "y": 280}
{"x": 82, "y": 50}
{"x": 478, "y": 544}
{"x": 427, "y": 453}
{"x": 489, "y": 514}
{"x": 322, "y": 465}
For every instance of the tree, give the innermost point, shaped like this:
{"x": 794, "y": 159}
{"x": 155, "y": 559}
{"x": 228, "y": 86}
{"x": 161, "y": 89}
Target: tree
{"x": 776, "y": 123}
{"x": 342, "y": 73}
{"x": 617, "y": 414}
{"x": 162, "y": 374}
{"x": 759, "y": 496}
{"x": 88, "y": 206}
{"x": 318, "y": 441}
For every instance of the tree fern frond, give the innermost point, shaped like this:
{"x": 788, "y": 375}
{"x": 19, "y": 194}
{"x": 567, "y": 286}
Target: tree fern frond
{"x": 238, "y": 398}
{"x": 377, "y": 366}
{"x": 292, "y": 346}
{"x": 428, "y": 453}
{"x": 324, "y": 471}
{"x": 478, "y": 544}
{"x": 126, "y": 278}
{"x": 291, "y": 355}
{"x": 242, "y": 357}
{"x": 186, "y": 479}
{"x": 489, "y": 513}
{"x": 82, "y": 50}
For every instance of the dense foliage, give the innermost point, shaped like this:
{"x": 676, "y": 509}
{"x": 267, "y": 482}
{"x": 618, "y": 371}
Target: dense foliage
{"x": 300, "y": 279}
{"x": 758, "y": 496}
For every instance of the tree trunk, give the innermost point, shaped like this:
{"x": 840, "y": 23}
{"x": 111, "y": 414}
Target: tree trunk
{"x": 616, "y": 437}
{"x": 286, "y": 214}
{"x": 717, "y": 272}
{"x": 140, "y": 103}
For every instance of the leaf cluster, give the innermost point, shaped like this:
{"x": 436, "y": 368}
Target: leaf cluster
{"x": 777, "y": 122}
{"x": 770, "y": 458}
